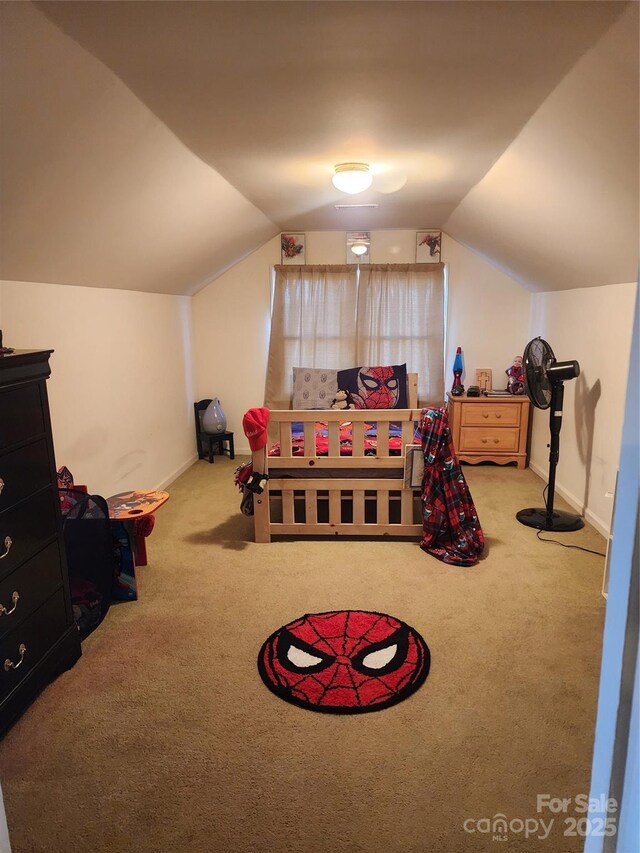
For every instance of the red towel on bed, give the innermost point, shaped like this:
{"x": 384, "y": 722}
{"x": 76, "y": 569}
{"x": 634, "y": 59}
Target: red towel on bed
{"x": 450, "y": 527}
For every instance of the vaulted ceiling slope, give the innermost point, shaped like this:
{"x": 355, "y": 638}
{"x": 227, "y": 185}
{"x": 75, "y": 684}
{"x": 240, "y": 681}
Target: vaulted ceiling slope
{"x": 95, "y": 189}
{"x": 559, "y": 209}
{"x": 149, "y": 145}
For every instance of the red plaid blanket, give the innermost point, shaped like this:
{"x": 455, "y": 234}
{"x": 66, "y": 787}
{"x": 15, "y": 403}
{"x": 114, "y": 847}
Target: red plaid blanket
{"x": 451, "y": 529}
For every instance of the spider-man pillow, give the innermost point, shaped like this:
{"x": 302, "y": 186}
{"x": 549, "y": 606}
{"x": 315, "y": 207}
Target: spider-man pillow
{"x": 375, "y": 387}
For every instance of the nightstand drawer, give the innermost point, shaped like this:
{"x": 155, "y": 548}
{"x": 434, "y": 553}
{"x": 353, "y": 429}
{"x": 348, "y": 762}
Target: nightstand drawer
{"x": 490, "y": 414}
{"x": 20, "y": 537}
{"x": 24, "y": 590}
{"x": 21, "y": 650}
{"x": 23, "y": 472}
{"x": 491, "y": 440}
{"x": 21, "y": 414}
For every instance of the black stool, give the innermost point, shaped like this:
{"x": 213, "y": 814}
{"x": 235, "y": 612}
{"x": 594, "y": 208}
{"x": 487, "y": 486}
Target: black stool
{"x": 209, "y": 440}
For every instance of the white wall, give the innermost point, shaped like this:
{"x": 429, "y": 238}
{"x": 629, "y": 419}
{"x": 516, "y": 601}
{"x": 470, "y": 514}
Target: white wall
{"x": 231, "y": 324}
{"x": 488, "y": 317}
{"x": 592, "y": 325}
{"x": 120, "y": 388}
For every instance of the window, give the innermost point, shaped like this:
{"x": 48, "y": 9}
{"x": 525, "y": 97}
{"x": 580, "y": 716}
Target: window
{"x": 337, "y": 317}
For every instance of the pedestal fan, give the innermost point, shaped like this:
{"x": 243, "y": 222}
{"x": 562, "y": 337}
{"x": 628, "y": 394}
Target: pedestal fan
{"x": 544, "y": 379}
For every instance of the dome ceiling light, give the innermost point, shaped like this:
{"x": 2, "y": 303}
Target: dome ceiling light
{"x": 358, "y": 245}
{"x": 352, "y": 178}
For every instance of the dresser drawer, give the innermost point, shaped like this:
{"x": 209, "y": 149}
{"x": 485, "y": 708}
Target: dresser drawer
{"x": 29, "y": 642}
{"x": 21, "y": 414}
{"x": 23, "y": 472}
{"x": 24, "y": 590}
{"x": 491, "y": 440}
{"x": 490, "y": 414}
{"x": 29, "y": 525}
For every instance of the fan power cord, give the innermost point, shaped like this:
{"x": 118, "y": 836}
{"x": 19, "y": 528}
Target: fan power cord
{"x": 564, "y": 545}
{"x": 556, "y": 541}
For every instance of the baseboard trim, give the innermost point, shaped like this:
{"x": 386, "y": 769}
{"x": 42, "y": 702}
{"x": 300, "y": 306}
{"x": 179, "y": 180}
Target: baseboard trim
{"x": 601, "y": 526}
{"x": 172, "y": 477}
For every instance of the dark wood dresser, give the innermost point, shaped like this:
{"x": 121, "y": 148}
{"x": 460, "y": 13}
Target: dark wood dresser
{"x": 38, "y": 636}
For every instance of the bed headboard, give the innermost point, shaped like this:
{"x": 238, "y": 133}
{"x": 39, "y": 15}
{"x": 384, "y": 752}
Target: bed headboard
{"x": 412, "y": 390}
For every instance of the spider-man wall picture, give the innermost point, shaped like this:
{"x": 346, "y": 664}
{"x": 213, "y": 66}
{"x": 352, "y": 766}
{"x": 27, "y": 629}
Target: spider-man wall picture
{"x": 344, "y": 661}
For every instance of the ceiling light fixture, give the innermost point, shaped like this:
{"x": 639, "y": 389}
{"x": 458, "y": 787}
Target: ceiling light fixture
{"x": 352, "y": 178}
{"x": 359, "y": 249}
{"x": 358, "y": 246}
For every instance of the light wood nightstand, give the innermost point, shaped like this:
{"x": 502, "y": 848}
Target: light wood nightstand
{"x": 490, "y": 429}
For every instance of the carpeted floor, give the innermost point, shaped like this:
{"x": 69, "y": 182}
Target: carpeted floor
{"x": 163, "y": 738}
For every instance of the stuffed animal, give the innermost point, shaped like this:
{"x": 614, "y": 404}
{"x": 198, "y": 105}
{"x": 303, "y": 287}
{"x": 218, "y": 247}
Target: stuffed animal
{"x": 342, "y": 401}
{"x": 515, "y": 373}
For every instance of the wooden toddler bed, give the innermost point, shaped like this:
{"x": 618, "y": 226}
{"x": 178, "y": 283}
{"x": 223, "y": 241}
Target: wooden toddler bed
{"x": 320, "y": 488}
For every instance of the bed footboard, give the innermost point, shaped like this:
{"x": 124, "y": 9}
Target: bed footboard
{"x": 334, "y": 494}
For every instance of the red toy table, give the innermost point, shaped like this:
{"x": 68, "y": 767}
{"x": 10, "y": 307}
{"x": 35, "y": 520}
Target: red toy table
{"x": 125, "y": 508}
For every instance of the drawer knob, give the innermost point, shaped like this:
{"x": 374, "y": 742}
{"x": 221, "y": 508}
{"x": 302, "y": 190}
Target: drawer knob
{"x": 498, "y": 415}
{"x": 9, "y": 664}
{"x": 484, "y": 440}
{"x": 485, "y": 415}
{"x": 14, "y": 600}
{"x": 8, "y": 542}
{"x": 496, "y": 440}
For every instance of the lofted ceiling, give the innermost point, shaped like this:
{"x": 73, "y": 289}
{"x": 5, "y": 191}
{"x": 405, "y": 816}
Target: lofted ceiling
{"x": 150, "y": 145}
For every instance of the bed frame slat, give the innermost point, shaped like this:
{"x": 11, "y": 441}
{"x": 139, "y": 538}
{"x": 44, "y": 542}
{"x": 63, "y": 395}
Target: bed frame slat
{"x": 285, "y": 439}
{"x": 382, "y": 507}
{"x": 357, "y": 462}
{"x": 310, "y": 507}
{"x": 288, "y": 515}
{"x": 408, "y": 428}
{"x": 394, "y": 530}
{"x": 406, "y": 507}
{"x": 309, "y": 438}
{"x": 358, "y": 506}
{"x": 334, "y": 438}
{"x": 357, "y": 440}
{"x": 370, "y": 484}
{"x": 412, "y": 390}
{"x": 335, "y": 507}
{"x": 382, "y": 447}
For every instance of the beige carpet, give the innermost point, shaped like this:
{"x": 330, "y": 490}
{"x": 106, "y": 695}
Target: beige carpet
{"x": 163, "y": 737}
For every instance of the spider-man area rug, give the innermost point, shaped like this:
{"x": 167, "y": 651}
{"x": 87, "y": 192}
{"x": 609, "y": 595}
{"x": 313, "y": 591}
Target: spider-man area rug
{"x": 344, "y": 661}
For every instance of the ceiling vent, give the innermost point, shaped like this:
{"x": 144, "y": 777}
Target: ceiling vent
{"x": 352, "y": 206}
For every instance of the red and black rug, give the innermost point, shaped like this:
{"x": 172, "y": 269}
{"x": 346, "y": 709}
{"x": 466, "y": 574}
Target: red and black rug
{"x": 344, "y": 661}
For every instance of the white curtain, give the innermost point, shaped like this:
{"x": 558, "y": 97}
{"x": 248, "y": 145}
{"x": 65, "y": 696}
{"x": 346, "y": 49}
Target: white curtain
{"x": 313, "y": 324}
{"x": 324, "y": 317}
{"x": 400, "y": 318}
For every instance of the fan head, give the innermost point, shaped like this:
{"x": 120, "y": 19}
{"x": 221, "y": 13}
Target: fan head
{"x": 538, "y": 357}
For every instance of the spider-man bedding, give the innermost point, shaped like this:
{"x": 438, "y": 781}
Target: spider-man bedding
{"x": 322, "y": 439}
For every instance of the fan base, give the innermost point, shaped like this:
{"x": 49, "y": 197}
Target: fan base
{"x": 561, "y": 522}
